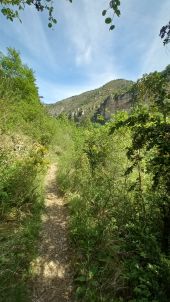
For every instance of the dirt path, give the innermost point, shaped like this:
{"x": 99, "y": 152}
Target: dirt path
{"x": 53, "y": 281}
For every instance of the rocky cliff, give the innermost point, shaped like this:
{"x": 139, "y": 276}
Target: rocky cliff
{"x": 104, "y": 101}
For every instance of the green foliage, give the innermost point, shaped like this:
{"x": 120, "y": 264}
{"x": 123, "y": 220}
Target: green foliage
{"x": 20, "y": 209}
{"x": 165, "y": 33}
{"x": 114, "y": 5}
{"x": 116, "y": 178}
{"x": 86, "y": 105}
{"x": 17, "y": 81}
{"x": 26, "y": 134}
{"x": 11, "y": 9}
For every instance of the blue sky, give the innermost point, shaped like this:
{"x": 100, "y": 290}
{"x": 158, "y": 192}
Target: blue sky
{"x": 80, "y": 53}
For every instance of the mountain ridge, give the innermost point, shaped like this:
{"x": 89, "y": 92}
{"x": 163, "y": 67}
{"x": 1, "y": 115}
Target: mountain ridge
{"x": 91, "y": 103}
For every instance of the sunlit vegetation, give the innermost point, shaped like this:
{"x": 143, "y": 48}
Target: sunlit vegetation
{"x": 26, "y": 138}
{"x": 115, "y": 178}
{"x": 91, "y": 103}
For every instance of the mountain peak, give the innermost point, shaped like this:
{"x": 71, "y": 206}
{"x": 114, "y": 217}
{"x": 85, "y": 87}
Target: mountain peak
{"x": 87, "y": 104}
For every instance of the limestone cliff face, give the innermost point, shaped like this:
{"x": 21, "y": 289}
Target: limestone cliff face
{"x": 112, "y": 104}
{"x": 103, "y": 101}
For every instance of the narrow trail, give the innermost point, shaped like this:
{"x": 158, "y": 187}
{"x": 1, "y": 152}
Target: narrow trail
{"x": 52, "y": 280}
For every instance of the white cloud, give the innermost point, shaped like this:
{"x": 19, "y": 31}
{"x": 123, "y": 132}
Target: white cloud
{"x": 156, "y": 56}
{"x": 31, "y": 36}
{"x": 89, "y": 38}
{"x": 80, "y": 53}
{"x": 62, "y": 91}
{"x": 90, "y": 45}
{"x": 85, "y": 56}
{"x": 58, "y": 92}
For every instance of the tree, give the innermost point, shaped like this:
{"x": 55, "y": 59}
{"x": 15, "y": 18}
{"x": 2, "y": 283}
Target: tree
{"x": 16, "y": 79}
{"x": 150, "y": 130}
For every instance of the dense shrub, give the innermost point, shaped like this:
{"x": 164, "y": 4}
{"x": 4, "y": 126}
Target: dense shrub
{"x": 116, "y": 178}
{"x": 26, "y": 136}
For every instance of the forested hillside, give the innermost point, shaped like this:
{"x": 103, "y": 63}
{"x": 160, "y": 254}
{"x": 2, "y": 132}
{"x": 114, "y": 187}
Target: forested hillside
{"x": 114, "y": 179}
{"x": 104, "y": 101}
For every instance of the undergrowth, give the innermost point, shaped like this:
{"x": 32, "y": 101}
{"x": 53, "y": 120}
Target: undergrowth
{"x": 116, "y": 180}
{"x": 26, "y": 138}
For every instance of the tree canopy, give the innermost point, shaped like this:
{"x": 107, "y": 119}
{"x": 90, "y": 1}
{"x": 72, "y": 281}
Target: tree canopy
{"x": 16, "y": 78}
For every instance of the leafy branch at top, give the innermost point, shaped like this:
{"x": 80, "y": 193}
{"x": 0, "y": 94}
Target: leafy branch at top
{"x": 114, "y": 5}
{"x": 11, "y": 9}
{"x": 165, "y": 33}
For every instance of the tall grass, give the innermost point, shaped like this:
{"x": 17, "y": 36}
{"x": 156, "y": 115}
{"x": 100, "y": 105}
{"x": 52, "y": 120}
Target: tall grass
{"x": 115, "y": 227}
